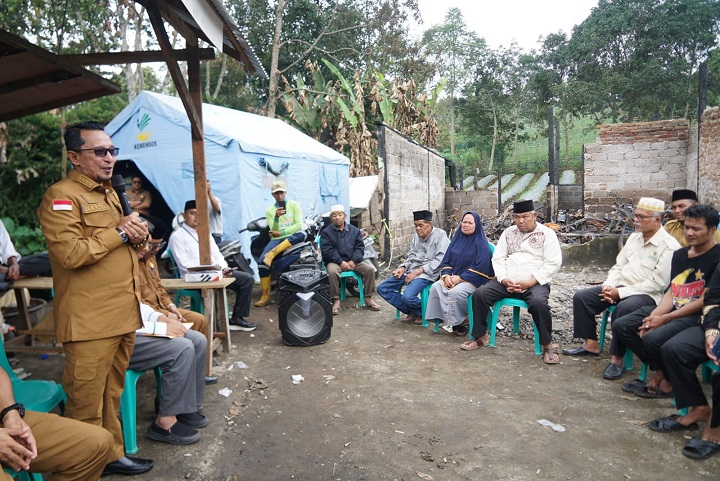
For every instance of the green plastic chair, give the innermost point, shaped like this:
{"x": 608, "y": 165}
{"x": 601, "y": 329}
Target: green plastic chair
{"x": 23, "y": 475}
{"x": 35, "y": 395}
{"x": 361, "y": 289}
{"x": 628, "y": 360}
{"x": 196, "y": 302}
{"x": 128, "y": 407}
{"x": 425, "y": 295}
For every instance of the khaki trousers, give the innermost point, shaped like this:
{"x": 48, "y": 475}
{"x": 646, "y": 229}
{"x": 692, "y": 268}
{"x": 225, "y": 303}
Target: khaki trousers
{"x": 94, "y": 379}
{"x": 71, "y": 450}
{"x": 199, "y": 322}
{"x": 364, "y": 269}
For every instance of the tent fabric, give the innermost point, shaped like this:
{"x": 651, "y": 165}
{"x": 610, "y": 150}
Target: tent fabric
{"x": 243, "y": 154}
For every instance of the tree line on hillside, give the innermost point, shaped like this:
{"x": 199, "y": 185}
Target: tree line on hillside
{"x": 336, "y": 67}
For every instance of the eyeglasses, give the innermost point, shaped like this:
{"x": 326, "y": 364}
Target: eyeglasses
{"x": 642, "y": 217}
{"x": 157, "y": 246}
{"x": 100, "y": 152}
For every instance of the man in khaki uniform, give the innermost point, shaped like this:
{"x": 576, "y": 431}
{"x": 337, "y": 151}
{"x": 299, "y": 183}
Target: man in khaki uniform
{"x": 681, "y": 200}
{"x": 154, "y": 294}
{"x": 48, "y": 443}
{"x": 152, "y": 291}
{"x": 96, "y": 307}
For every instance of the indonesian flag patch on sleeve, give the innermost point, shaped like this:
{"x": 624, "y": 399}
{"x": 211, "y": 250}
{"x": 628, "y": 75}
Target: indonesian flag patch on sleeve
{"x": 62, "y": 204}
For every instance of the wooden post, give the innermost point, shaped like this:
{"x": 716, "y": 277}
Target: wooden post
{"x": 198, "y": 150}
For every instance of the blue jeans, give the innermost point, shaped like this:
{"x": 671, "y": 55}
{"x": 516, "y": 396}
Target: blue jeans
{"x": 407, "y": 302}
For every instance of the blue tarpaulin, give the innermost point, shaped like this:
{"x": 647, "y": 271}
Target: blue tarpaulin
{"x": 244, "y": 154}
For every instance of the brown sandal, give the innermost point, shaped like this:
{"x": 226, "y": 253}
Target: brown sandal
{"x": 473, "y": 344}
{"x": 550, "y": 354}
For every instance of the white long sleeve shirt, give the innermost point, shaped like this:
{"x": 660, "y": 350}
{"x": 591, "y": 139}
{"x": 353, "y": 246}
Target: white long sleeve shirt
{"x": 7, "y": 249}
{"x": 643, "y": 267}
{"x": 151, "y": 325}
{"x": 185, "y": 248}
{"x": 521, "y": 255}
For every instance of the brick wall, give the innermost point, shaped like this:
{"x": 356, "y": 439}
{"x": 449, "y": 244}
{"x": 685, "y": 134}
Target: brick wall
{"x": 633, "y": 160}
{"x": 413, "y": 178}
{"x": 709, "y": 157}
{"x": 457, "y": 202}
{"x": 570, "y": 197}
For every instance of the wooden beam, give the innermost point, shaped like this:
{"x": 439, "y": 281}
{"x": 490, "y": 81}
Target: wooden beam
{"x": 28, "y": 82}
{"x": 198, "y": 150}
{"x": 118, "y": 58}
{"x": 174, "y": 69}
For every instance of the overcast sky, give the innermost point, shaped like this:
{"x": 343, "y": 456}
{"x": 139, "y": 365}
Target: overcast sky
{"x": 501, "y": 21}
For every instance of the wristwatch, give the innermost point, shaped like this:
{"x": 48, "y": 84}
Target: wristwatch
{"x": 123, "y": 235}
{"x": 17, "y": 406}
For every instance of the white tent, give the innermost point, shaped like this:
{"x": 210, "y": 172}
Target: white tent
{"x": 244, "y": 154}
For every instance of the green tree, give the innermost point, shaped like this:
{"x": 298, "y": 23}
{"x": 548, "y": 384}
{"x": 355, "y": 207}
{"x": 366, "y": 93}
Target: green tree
{"x": 452, "y": 48}
{"x": 638, "y": 59}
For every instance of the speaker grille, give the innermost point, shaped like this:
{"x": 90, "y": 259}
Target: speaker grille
{"x": 306, "y": 325}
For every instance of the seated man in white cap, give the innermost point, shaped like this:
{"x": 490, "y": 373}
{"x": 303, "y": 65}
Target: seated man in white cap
{"x": 639, "y": 277}
{"x": 682, "y": 199}
{"x": 650, "y": 249}
{"x": 343, "y": 249}
{"x": 420, "y": 269}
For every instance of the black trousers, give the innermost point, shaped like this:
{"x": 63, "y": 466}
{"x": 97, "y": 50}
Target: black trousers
{"x": 242, "y": 287}
{"x": 681, "y": 357}
{"x": 536, "y": 297}
{"x": 587, "y": 304}
{"x": 625, "y": 332}
{"x": 715, "y": 383}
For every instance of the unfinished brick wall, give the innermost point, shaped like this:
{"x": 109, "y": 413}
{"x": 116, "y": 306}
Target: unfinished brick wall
{"x": 457, "y": 202}
{"x": 633, "y": 160}
{"x": 413, "y": 178}
{"x": 709, "y": 157}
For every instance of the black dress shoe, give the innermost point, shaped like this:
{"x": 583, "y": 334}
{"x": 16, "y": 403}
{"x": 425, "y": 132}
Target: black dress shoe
{"x": 579, "y": 351}
{"x": 178, "y": 434}
{"x": 613, "y": 371}
{"x": 128, "y": 465}
{"x": 210, "y": 379}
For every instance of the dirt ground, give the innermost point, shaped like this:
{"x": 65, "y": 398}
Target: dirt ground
{"x": 383, "y": 400}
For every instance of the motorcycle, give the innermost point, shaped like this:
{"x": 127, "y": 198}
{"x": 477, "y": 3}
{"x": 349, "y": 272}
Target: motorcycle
{"x": 303, "y": 255}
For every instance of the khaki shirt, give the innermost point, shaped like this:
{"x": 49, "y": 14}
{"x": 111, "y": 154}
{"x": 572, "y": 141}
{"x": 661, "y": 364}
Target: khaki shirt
{"x": 97, "y": 292}
{"x": 152, "y": 292}
{"x": 675, "y": 229}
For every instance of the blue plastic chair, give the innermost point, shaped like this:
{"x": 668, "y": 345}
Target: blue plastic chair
{"x": 128, "y": 407}
{"x": 35, "y": 395}
{"x": 196, "y": 302}
{"x": 23, "y": 475}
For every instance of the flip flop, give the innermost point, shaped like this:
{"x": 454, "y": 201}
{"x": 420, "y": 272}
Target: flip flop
{"x": 634, "y": 386}
{"x": 550, "y": 355}
{"x": 470, "y": 345}
{"x": 372, "y": 307}
{"x": 700, "y": 449}
{"x": 654, "y": 394}
{"x": 335, "y": 311}
{"x": 670, "y": 424}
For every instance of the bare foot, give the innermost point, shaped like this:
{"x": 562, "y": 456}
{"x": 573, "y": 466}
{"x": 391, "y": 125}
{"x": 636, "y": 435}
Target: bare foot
{"x": 695, "y": 414}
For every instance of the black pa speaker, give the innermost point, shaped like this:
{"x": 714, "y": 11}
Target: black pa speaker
{"x": 305, "y": 308}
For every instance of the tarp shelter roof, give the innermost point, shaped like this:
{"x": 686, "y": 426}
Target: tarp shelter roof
{"x": 361, "y": 192}
{"x": 234, "y": 43}
{"x": 253, "y": 133}
{"x": 34, "y": 80}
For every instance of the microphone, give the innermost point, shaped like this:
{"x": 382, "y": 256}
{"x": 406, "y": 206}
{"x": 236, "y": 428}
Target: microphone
{"x": 118, "y": 184}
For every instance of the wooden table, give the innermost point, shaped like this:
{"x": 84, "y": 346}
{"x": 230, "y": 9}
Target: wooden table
{"x": 26, "y": 340}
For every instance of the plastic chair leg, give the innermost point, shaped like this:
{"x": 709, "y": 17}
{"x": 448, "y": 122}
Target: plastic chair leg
{"x": 128, "y": 411}
{"x": 516, "y": 320}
